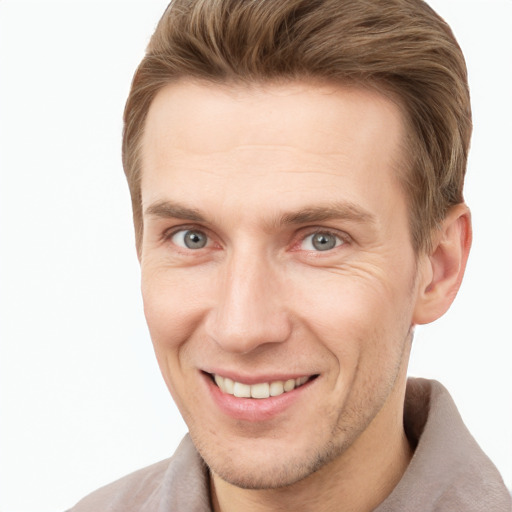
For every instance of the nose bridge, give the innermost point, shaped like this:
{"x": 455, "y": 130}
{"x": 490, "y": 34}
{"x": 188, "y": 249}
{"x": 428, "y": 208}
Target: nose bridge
{"x": 249, "y": 310}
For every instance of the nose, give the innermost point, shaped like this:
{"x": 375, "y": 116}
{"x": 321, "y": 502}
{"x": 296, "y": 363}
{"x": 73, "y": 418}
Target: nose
{"x": 250, "y": 309}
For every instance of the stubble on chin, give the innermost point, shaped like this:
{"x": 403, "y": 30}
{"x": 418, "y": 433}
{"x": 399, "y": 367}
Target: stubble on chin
{"x": 278, "y": 471}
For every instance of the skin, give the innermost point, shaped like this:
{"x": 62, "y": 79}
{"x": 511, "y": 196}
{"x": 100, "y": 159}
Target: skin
{"x": 257, "y": 171}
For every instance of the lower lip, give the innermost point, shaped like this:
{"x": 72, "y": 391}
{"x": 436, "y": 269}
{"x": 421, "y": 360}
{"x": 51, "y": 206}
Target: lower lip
{"x": 254, "y": 409}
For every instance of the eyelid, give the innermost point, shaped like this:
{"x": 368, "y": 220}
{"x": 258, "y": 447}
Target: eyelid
{"x": 169, "y": 233}
{"x": 343, "y": 236}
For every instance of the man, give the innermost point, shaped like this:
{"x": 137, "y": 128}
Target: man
{"x": 296, "y": 172}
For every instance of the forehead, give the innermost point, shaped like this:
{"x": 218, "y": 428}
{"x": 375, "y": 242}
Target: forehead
{"x": 308, "y": 139}
{"x": 266, "y": 110}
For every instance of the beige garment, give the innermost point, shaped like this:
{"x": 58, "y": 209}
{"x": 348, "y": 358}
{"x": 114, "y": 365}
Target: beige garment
{"x": 448, "y": 472}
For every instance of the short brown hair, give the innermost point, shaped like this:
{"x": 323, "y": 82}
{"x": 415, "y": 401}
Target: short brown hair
{"x": 401, "y": 47}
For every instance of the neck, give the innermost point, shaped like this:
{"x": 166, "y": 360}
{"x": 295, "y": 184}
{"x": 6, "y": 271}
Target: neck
{"x": 358, "y": 480}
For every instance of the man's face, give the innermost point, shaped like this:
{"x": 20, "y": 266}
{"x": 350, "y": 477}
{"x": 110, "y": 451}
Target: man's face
{"x": 276, "y": 257}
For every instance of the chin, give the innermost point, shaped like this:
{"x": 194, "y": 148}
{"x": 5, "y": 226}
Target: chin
{"x": 268, "y": 470}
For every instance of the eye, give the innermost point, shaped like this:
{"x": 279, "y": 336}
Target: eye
{"x": 321, "y": 241}
{"x": 190, "y": 239}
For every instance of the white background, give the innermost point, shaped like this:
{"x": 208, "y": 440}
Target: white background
{"x": 82, "y": 401}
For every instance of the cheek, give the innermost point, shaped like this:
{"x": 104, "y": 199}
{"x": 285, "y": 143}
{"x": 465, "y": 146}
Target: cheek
{"x": 341, "y": 297}
{"x": 353, "y": 312}
{"x": 169, "y": 310}
{"x": 170, "y": 306}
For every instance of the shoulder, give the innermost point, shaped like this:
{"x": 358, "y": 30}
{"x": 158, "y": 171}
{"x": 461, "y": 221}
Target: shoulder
{"x": 177, "y": 483}
{"x": 128, "y": 493}
{"x": 448, "y": 471}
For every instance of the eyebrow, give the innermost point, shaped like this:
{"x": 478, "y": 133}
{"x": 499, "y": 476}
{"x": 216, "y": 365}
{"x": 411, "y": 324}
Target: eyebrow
{"x": 334, "y": 211}
{"x": 170, "y": 210}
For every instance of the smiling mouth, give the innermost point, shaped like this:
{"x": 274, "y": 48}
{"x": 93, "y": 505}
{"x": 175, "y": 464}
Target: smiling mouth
{"x": 261, "y": 389}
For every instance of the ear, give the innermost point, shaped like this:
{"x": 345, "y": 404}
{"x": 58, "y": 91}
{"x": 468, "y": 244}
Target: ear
{"x": 443, "y": 269}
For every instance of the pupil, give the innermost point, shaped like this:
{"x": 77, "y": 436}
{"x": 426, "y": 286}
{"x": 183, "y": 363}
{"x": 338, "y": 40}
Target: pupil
{"x": 195, "y": 240}
{"x": 323, "y": 242}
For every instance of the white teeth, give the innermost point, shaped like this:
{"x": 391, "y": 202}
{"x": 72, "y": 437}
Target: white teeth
{"x": 301, "y": 380}
{"x": 219, "y": 381}
{"x": 289, "y": 385}
{"x": 242, "y": 390}
{"x": 276, "y": 388}
{"x": 260, "y": 390}
{"x": 229, "y": 386}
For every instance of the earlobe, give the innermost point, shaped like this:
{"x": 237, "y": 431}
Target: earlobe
{"x": 444, "y": 267}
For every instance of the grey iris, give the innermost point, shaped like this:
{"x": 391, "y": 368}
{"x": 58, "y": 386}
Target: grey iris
{"x": 195, "y": 239}
{"x": 323, "y": 241}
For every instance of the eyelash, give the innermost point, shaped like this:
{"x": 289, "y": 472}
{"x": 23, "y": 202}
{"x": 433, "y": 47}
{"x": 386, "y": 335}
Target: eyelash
{"x": 169, "y": 234}
{"x": 343, "y": 237}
